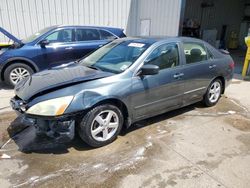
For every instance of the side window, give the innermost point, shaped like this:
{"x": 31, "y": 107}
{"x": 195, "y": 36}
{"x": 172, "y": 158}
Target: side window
{"x": 64, "y": 35}
{"x": 87, "y": 34}
{"x": 165, "y": 56}
{"x": 106, "y": 35}
{"x": 194, "y": 52}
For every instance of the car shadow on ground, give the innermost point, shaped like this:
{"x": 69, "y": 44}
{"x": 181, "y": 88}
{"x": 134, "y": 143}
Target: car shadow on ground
{"x": 28, "y": 142}
{"x": 5, "y": 86}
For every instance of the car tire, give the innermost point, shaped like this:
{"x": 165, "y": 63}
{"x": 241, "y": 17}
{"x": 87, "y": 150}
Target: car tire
{"x": 101, "y": 125}
{"x": 213, "y": 93}
{"x": 15, "y": 68}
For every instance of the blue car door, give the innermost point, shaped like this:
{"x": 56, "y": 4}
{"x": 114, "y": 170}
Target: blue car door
{"x": 59, "y": 50}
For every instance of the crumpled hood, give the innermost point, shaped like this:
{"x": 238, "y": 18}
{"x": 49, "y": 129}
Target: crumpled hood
{"x": 55, "y": 78}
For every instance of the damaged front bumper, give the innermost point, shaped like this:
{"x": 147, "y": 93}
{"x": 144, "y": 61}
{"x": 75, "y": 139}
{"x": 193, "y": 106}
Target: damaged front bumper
{"x": 60, "y": 128}
{"x": 57, "y": 127}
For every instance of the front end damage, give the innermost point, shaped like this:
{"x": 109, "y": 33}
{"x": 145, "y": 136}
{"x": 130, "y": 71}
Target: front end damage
{"x": 61, "y": 128}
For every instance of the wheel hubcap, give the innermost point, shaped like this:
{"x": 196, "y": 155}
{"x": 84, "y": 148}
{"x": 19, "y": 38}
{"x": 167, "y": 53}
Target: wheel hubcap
{"x": 18, "y": 74}
{"x": 214, "y": 92}
{"x": 104, "y": 125}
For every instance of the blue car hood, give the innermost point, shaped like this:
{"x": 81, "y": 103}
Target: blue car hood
{"x": 49, "y": 80}
{"x": 10, "y": 36}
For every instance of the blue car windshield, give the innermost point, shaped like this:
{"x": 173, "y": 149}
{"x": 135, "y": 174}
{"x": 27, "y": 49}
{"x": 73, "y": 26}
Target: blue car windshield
{"x": 116, "y": 56}
{"x": 36, "y": 35}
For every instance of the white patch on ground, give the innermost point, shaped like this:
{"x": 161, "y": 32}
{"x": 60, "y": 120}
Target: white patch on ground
{"x": 231, "y": 112}
{"x": 197, "y": 113}
{"x": 91, "y": 170}
{"x": 241, "y": 106}
{"x": 162, "y": 131}
{"x": 37, "y": 179}
{"x": 5, "y": 156}
{"x": 9, "y": 167}
{"x": 98, "y": 165}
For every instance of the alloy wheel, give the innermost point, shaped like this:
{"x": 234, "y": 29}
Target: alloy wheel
{"x": 18, "y": 74}
{"x": 214, "y": 92}
{"x": 104, "y": 125}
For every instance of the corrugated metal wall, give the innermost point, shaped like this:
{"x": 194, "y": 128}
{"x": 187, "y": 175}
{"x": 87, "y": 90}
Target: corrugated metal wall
{"x": 164, "y": 15}
{"x": 24, "y": 17}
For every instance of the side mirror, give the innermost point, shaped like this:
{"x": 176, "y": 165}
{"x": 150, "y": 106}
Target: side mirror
{"x": 44, "y": 42}
{"x": 149, "y": 69}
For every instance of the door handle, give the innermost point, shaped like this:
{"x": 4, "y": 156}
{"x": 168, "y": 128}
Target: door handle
{"x": 212, "y": 66}
{"x": 69, "y": 48}
{"x": 178, "y": 75}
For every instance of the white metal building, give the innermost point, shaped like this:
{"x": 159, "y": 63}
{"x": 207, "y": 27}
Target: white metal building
{"x": 136, "y": 17}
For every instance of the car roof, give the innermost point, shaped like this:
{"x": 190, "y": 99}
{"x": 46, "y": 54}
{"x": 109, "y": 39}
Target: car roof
{"x": 87, "y": 26}
{"x": 153, "y": 39}
{"x": 115, "y": 30}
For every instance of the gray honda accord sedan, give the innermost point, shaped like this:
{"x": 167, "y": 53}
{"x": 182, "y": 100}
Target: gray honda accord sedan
{"x": 123, "y": 82}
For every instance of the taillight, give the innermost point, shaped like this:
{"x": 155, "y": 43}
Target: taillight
{"x": 231, "y": 65}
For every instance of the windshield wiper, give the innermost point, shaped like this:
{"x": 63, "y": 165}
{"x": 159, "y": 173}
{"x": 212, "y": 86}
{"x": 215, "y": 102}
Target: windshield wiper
{"x": 92, "y": 67}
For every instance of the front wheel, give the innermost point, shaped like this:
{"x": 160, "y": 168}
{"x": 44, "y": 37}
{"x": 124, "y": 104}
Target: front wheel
{"x": 101, "y": 125}
{"x": 213, "y": 93}
{"x": 16, "y": 72}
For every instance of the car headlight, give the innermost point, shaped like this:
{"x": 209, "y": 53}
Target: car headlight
{"x": 52, "y": 107}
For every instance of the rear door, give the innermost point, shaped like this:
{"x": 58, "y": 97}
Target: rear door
{"x": 198, "y": 70}
{"x": 88, "y": 40}
{"x": 158, "y": 93}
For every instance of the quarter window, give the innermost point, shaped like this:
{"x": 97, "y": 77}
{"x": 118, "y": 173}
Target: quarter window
{"x": 106, "y": 35}
{"x": 64, "y": 35}
{"x": 165, "y": 56}
{"x": 210, "y": 55}
{"x": 87, "y": 34}
{"x": 194, "y": 52}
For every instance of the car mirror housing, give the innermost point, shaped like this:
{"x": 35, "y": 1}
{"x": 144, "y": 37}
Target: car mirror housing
{"x": 149, "y": 69}
{"x": 44, "y": 42}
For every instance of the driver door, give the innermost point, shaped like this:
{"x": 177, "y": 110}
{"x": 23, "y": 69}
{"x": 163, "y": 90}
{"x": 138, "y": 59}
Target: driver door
{"x": 155, "y": 94}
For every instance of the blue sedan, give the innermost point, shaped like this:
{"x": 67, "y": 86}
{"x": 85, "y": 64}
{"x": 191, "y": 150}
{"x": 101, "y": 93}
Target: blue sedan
{"x": 51, "y": 47}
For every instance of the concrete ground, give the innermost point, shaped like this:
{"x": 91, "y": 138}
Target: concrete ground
{"x": 190, "y": 147}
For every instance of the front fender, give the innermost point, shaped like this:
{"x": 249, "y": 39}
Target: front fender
{"x": 88, "y": 99}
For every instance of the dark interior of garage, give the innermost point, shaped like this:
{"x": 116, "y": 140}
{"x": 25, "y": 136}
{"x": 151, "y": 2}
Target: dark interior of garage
{"x": 222, "y": 23}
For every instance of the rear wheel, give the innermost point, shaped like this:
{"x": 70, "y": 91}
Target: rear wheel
{"x": 101, "y": 125}
{"x": 213, "y": 93}
{"x": 16, "y": 72}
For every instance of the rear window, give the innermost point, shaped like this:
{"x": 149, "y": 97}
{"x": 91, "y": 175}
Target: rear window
{"x": 194, "y": 52}
{"x": 87, "y": 34}
{"x": 105, "y": 35}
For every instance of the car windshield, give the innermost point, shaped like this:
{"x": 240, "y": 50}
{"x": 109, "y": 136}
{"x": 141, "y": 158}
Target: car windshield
{"x": 36, "y": 35}
{"x": 116, "y": 56}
